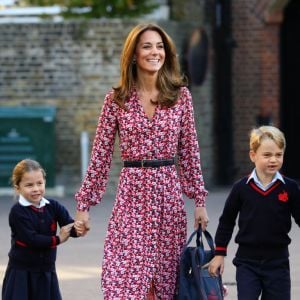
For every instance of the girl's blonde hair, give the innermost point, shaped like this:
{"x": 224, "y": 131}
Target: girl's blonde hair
{"x": 257, "y": 135}
{"x": 170, "y": 78}
{"x": 24, "y": 166}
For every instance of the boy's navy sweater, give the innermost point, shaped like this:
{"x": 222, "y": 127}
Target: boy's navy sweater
{"x": 33, "y": 235}
{"x": 264, "y": 219}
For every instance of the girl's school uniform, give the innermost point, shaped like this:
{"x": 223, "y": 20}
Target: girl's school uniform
{"x": 31, "y": 273}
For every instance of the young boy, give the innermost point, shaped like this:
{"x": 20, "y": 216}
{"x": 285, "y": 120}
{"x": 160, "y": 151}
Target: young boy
{"x": 265, "y": 202}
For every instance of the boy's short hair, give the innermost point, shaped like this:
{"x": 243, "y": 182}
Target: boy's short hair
{"x": 257, "y": 135}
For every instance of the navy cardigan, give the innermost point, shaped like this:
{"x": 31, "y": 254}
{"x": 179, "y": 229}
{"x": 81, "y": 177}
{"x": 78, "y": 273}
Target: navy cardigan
{"x": 34, "y": 235}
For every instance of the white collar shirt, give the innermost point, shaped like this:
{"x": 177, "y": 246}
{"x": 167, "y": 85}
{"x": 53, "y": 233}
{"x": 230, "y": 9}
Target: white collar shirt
{"x": 256, "y": 180}
{"x": 25, "y": 202}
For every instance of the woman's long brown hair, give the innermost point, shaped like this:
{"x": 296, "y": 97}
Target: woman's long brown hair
{"x": 169, "y": 77}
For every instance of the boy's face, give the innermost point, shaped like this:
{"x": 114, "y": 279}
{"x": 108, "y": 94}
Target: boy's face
{"x": 268, "y": 159}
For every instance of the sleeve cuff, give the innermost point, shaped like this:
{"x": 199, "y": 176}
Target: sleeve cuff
{"x": 83, "y": 206}
{"x": 221, "y": 251}
{"x": 55, "y": 241}
{"x": 200, "y": 199}
{"x": 200, "y": 202}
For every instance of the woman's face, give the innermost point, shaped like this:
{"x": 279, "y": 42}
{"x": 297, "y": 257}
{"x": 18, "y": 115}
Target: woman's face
{"x": 150, "y": 52}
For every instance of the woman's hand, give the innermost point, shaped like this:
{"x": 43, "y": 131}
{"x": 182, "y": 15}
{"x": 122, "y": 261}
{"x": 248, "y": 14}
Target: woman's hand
{"x": 216, "y": 266}
{"x": 201, "y": 217}
{"x": 79, "y": 228}
{"x": 82, "y": 222}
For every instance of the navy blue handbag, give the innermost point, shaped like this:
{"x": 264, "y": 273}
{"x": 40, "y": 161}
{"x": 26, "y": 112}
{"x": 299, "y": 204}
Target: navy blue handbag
{"x": 194, "y": 281}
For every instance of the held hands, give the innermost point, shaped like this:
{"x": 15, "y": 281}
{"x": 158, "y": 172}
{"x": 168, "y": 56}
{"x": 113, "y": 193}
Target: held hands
{"x": 201, "y": 217}
{"x": 82, "y": 224}
{"x": 81, "y": 228}
{"x": 64, "y": 233}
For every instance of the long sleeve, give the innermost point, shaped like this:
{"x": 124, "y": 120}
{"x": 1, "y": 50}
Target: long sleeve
{"x": 295, "y": 202}
{"x": 63, "y": 216}
{"x": 227, "y": 222}
{"x": 34, "y": 235}
{"x": 28, "y": 232}
{"x": 190, "y": 172}
{"x": 94, "y": 184}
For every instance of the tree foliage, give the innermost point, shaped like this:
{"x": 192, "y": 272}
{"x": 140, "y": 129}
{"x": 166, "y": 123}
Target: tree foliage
{"x": 99, "y": 8}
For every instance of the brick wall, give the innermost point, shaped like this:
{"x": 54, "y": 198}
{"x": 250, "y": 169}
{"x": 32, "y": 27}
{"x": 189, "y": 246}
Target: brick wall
{"x": 255, "y": 76}
{"x": 72, "y": 65}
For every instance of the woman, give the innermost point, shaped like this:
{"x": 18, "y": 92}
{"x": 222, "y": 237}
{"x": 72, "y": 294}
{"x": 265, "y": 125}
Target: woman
{"x": 152, "y": 113}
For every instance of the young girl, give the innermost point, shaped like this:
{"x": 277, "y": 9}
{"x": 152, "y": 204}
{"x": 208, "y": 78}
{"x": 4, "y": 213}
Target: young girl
{"x": 264, "y": 202}
{"x": 30, "y": 273}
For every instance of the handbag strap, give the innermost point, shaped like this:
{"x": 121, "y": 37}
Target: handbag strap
{"x": 190, "y": 238}
{"x": 208, "y": 237}
{"x": 198, "y": 256}
{"x": 196, "y": 266}
{"x": 199, "y": 239}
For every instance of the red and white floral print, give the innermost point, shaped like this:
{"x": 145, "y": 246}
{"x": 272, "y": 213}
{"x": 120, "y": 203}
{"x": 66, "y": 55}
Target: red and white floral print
{"x": 147, "y": 228}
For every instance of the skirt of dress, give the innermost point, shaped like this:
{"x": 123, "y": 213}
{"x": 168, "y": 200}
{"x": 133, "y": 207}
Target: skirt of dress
{"x": 29, "y": 285}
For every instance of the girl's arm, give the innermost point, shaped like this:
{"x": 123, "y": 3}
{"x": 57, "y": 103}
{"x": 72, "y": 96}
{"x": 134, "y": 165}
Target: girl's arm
{"x": 64, "y": 233}
{"x": 63, "y": 217}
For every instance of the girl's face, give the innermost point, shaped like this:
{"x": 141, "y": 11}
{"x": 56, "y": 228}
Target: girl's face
{"x": 268, "y": 159}
{"x": 150, "y": 52}
{"x": 32, "y": 186}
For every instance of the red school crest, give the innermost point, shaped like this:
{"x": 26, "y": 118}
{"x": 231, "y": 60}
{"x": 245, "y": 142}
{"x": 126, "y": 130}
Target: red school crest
{"x": 53, "y": 226}
{"x": 284, "y": 197}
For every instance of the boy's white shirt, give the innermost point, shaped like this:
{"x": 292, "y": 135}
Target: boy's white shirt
{"x": 24, "y": 202}
{"x": 253, "y": 176}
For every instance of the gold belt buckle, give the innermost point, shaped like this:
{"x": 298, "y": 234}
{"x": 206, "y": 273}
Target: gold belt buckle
{"x": 142, "y": 161}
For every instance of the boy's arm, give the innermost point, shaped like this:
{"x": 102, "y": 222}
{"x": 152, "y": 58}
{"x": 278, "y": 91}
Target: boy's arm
{"x": 295, "y": 204}
{"x": 227, "y": 221}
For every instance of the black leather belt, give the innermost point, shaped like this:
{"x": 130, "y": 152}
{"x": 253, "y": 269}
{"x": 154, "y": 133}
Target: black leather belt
{"x": 146, "y": 163}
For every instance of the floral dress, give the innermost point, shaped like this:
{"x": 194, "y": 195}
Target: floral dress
{"x": 147, "y": 227}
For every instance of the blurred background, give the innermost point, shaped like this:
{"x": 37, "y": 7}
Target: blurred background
{"x": 58, "y": 58}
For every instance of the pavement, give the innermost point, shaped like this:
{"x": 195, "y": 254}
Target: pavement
{"x": 79, "y": 260}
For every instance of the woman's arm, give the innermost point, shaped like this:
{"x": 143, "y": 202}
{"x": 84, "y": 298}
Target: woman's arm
{"x": 82, "y": 222}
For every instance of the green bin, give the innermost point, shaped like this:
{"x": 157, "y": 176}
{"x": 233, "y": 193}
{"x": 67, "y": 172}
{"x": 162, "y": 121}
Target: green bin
{"x": 27, "y": 132}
